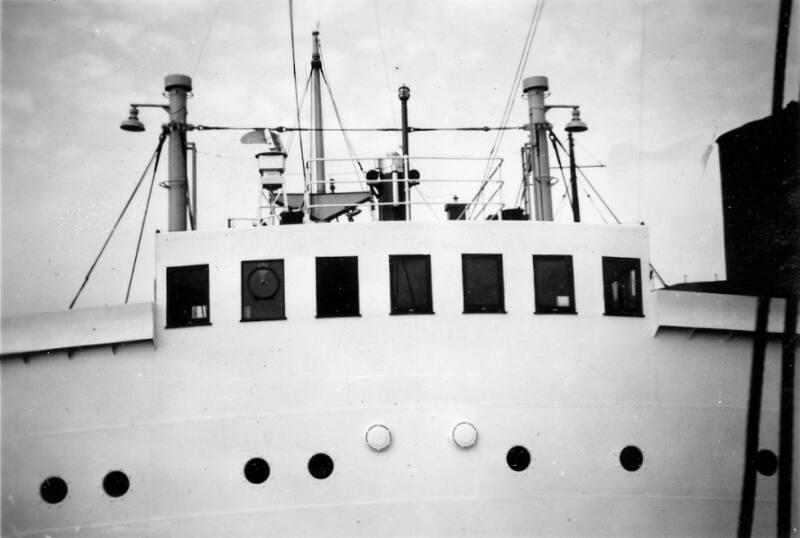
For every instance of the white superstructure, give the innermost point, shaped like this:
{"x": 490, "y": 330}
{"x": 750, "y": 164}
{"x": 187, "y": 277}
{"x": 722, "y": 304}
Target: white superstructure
{"x": 182, "y": 411}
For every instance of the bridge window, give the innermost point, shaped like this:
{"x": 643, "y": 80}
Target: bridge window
{"x": 263, "y": 290}
{"x": 337, "y": 286}
{"x": 187, "y": 296}
{"x": 554, "y": 284}
{"x": 410, "y": 281}
{"x": 483, "y": 283}
{"x": 622, "y": 286}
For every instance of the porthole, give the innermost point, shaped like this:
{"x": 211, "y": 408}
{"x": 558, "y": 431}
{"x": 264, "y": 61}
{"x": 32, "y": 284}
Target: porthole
{"x": 53, "y": 490}
{"x": 631, "y": 458}
{"x": 256, "y": 471}
{"x": 116, "y": 484}
{"x": 320, "y": 466}
{"x": 766, "y": 462}
{"x": 518, "y": 458}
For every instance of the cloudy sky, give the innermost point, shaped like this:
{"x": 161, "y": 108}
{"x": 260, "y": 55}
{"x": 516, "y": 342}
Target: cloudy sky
{"x": 656, "y": 81}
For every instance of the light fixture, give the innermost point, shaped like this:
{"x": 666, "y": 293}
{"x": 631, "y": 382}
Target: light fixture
{"x": 576, "y": 125}
{"x": 132, "y": 123}
{"x": 271, "y": 165}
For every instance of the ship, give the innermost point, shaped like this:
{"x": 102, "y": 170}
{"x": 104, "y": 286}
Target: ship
{"x": 338, "y": 365}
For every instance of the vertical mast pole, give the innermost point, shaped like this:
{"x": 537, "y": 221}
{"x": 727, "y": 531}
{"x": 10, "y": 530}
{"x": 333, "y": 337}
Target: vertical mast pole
{"x": 177, "y": 87}
{"x": 316, "y": 91}
{"x": 404, "y": 94}
{"x": 538, "y": 187}
{"x": 573, "y": 179}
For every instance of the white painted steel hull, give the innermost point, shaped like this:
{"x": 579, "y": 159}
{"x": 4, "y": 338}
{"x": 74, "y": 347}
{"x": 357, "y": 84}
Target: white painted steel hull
{"x": 182, "y": 414}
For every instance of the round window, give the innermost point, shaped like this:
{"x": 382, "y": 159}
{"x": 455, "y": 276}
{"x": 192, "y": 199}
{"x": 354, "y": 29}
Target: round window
{"x": 116, "y": 484}
{"x": 53, "y": 490}
{"x": 256, "y": 471}
{"x": 518, "y": 458}
{"x": 263, "y": 283}
{"x": 320, "y": 466}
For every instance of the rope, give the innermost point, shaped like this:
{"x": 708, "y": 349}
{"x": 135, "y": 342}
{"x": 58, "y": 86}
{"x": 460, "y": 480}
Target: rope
{"x": 144, "y": 217}
{"x": 114, "y": 228}
{"x": 296, "y": 100}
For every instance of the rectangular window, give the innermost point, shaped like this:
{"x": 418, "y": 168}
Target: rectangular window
{"x": 263, "y": 290}
{"x": 187, "y": 296}
{"x": 553, "y": 284}
{"x": 337, "y": 286}
{"x": 410, "y": 284}
{"x": 622, "y": 286}
{"x": 483, "y": 283}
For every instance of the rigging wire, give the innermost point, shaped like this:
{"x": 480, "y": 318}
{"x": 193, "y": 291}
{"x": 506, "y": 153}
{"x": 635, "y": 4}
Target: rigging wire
{"x": 205, "y": 40}
{"x": 561, "y": 168}
{"x": 385, "y": 66}
{"x": 284, "y": 129}
{"x": 526, "y": 49}
{"x": 296, "y": 99}
{"x": 302, "y": 101}
{"x": 348, "y": 144}
{"x": 114, "y": 227}
{"x": 161, "y": 140}
{"x": 586, "y": 179}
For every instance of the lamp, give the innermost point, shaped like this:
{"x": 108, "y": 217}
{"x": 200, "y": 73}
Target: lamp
{"x": 132, "y": 123}
{"x": 271, "y": 165}
{"x": 576, "y": 125}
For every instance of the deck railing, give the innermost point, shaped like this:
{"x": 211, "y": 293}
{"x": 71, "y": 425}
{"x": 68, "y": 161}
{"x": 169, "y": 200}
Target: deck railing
{"x": 443, "y": 181}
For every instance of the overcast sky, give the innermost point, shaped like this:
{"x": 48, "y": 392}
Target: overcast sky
{"x": 656, "y": 81}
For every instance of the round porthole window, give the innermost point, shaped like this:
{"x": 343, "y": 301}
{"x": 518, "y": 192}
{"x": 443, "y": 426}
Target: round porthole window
{"x": 116, "y": 484}
{"x": 320, "y": 466}
{"x": 263, "y": 283}
{"x": 766, "y": 462}
{"x": 256, "y": 471}
{"x": 518, "y": 458}
{"x": 53, "y": 490}
{"x": 631, "y": 458}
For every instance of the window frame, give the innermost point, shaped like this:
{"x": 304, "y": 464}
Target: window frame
{"x": 172, "y": 270}
{"x": 427, "y": 308}
{"x": 637, "y": 263}
{"x": 267, "y": 264}
{"x": 540, "y": 308}
{"x": 357, "y": 312}
{"x": 471, "y": 309}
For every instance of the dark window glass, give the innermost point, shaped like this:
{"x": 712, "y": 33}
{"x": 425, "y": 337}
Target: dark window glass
{"x": 553, "y": 284}
{"x": 631, "y": 458}
{"x": 320, "y": 466}
{"x": 337, "y": 286}
{"x": 263, "y": 290}
{"x": 116, "y": 484}
{"x": 53, "y": 490}
{"x": 483, "y": 282}
{"x": 622, "y": 286}
{"x": 187, "y": 296}
{"x": 518, "y": 458}
{"x": 256, "y": 470}
{"x": 410, "y": 278}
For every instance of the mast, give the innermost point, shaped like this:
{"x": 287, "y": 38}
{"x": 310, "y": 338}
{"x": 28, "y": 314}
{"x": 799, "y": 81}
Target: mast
{"x": 177, "y": 87}
{"x": 538, "y": 184}
{"x": 319, "y": 144}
